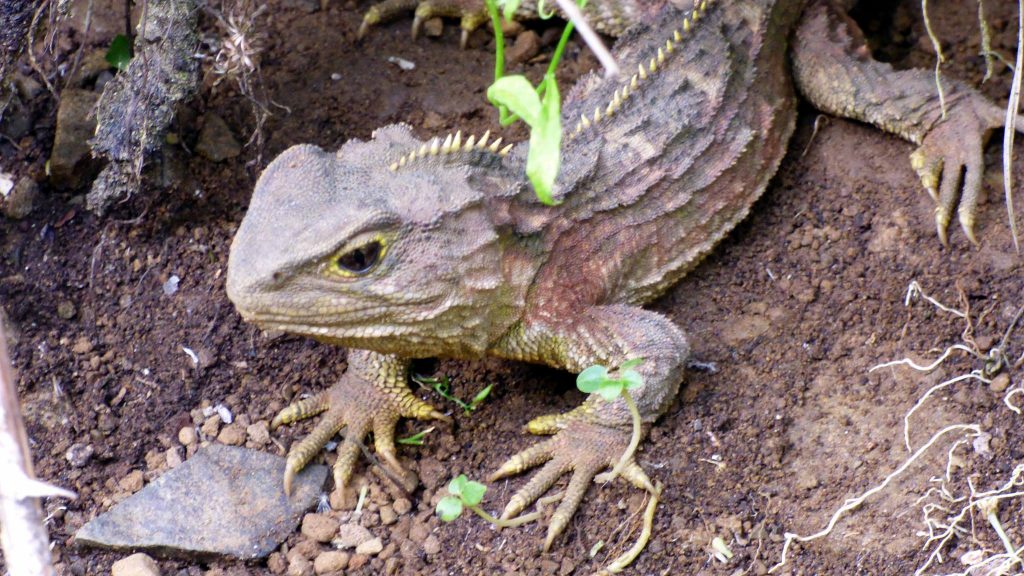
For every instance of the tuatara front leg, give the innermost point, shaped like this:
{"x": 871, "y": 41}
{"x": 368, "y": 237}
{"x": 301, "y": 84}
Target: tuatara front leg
{"x": 834, "y": 70}
{"x": 371, "y": 397}
{"x": 593, "y": 436}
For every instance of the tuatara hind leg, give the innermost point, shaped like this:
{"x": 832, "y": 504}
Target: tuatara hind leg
{"x": 594, "y": 436}
{"x": 371, "y": 397}
{"x": 834, "y": 70}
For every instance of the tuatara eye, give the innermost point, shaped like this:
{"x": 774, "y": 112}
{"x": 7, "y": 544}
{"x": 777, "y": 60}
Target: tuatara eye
{"x": 362, "y": 259}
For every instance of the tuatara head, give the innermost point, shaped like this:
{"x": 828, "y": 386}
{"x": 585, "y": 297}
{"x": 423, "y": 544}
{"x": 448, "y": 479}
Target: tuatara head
{"x": 344, "y": 249}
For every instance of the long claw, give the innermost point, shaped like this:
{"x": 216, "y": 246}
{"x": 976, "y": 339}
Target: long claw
{"x": 942, "y": 225}
{"x": 971, "y": 190}
{"x": 537, "y": 486}
{"x": 570, "y": 502}
{"x": 310, "y": 446}
{"x": 305, "y": 408}
{"x": 533, "y": 456}
{"x": 348, "y": 453}
{"x": 636, "y": 476}
{"x": 384, "y": 441}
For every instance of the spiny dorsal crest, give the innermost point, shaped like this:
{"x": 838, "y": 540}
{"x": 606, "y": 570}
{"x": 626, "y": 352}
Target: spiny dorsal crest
{"x": 656, "y": 62}
{"x": 452, "y": 144}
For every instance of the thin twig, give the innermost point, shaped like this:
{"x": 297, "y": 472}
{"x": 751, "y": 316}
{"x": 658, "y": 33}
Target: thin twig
{"x": 572, "y": 11}
{"x": 23, "y": 538}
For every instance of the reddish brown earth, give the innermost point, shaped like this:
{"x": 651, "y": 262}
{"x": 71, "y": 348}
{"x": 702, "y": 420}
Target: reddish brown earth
{"x": 793, "y": 308}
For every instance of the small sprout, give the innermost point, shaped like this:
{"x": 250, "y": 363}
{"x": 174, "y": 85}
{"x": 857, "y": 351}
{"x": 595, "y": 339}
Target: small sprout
{"x": 596, "y": 548}
{"x": 544, "y": 117}
{"x": 480, "y": 397}
{"x": 990, "y": 508}
{"x": 120, "y": 52}
{"x": 464, "y": 492}
{"x": 449, "y": 508}
{"x": 722, "y": 553}
{"x": 441, "y": 385}
{"x": 596, "y": 379}
{"x": 416, "y": 439}
{"x": 363, "y": 490}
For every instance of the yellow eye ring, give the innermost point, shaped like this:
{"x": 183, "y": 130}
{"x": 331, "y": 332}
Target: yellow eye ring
{"x": 353, "y": 262}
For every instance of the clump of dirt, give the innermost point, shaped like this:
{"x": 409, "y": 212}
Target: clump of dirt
{"x": 124, "y": 334}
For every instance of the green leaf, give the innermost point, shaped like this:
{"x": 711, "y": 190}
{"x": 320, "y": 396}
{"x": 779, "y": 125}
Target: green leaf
{"x": 457, "y": 484}
{"x": 544, "y": 14}
{"x": 591, "y": 379}
{"x": 510, "y": 8}
{"x": 120, "y": 52}
{"x": 473, "y": 493}
{"x": 632, "y": 379}
{"x": 545, "y": 155}
{"x": 481, "y": 396}
{"x": 416, "y": 439}
{"x": 631, "y": 363}
{"x": 517, "y": 94}
{"x": 449, "y": 508}
{"x": 611, "y": 390}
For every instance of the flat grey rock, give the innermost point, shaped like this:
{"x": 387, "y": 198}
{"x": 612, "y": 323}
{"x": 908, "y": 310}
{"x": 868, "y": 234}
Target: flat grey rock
{"x": 224, "y": 501}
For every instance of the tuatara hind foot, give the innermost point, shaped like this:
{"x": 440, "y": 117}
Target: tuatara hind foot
{"x": 471, "y": 13}
{"x": 950, "y": 163}
{"x": 362, "y": 407}
{"x": 582, "y": 447}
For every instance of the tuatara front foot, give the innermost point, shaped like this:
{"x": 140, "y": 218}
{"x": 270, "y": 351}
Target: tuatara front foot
{"x": 470, "y": 12}
{"x": 581, "y": 446}
{"x": 950, "y": 163}
{"x": 362, "y": 405}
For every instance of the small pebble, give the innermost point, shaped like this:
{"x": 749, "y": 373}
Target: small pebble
{"x": 1000, "y": 383}
{"x": 388, "y": 516}
{"x": 259, "y": 433}
{"x": 187, "y": 436}
{"x": 79, "y": 455}
{"x": 433, "y": 28}
{"x": 135, "y": 565}
{"x": 358, "y": 561}
{"x": 232, "y": 435}
{"x": 351, "y": 536}
{"x": 370, "y": 547}
{"x": 402, "y": 506}
{"x": 333, "y": 561}
{"x": 432, "y": 545}
{"x": 132, "y": 482}
{"x": 82, "y": 346}
{"x": 319, "y": 527}
{"x": 66, "y": 310}
{"x": 277, "y": 563}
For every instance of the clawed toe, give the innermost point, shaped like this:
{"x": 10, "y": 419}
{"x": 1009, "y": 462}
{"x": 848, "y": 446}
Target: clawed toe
{"x": 471, "y": 16}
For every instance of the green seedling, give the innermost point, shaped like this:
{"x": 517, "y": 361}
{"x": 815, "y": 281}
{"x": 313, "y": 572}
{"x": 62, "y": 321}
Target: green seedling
{"x": 120, "y": 52}
{"x": 441, "y": 385}
{"x": 597, "y": 380}
{"x": 540, "y": 108}
{"x": 466, "y": 493}
{"x": 416, "y": 439}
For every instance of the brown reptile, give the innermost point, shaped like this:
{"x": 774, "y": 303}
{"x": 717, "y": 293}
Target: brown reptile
{"x": 401, "y": 249}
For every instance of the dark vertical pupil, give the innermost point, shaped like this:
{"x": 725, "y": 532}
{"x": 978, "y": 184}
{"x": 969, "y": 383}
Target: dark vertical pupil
{"x": 360, "y": 259}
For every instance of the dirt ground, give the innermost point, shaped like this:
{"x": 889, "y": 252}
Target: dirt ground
{"x": 793, "y": 309}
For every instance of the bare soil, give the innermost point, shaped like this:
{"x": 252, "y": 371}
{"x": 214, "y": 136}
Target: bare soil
{"x": 793, "y": 309}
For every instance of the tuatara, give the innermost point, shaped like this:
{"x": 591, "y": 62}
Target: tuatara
{"x": 400, "y": 249}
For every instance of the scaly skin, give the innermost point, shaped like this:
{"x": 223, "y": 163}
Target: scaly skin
{"x": 401, "y": 249}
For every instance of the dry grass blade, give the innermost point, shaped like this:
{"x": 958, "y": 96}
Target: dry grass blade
{"x": 24, "y": 539}
{"x": 1011, "y": 125}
